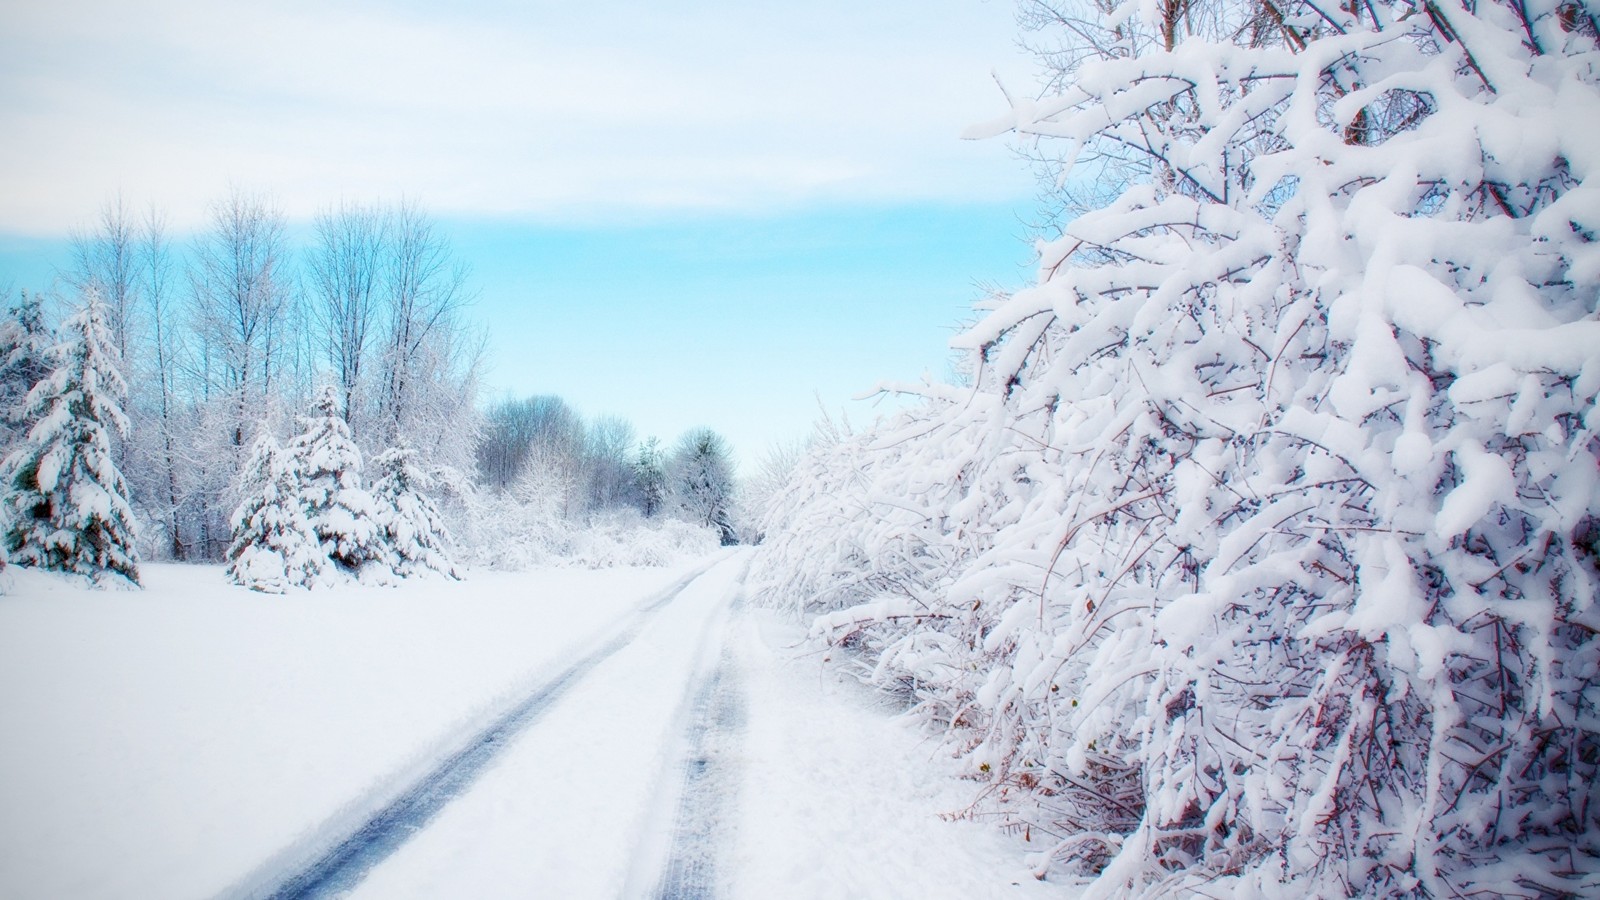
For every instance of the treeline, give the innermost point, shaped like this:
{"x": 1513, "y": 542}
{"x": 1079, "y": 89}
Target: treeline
{"x": 541, "y": 452}
{"x": 225, "y": 338}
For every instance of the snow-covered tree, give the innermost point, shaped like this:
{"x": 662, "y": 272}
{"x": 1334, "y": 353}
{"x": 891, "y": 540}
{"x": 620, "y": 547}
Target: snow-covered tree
{"x": 67, "y": 505}
{"x": 1260, "y": 552}
{"x": 607, "y": 445}
{"x": 105, "y": 261}
{"x": 25, "y": 344}
{"x": 158, "y": 475}
{"x": 701, "y": 479}
{"x": 650, "y": 477}
{"x": 341, "y": 512}
{"x": 411, "y": 524}
{"x": 429, "y": 357}
{"x": 241, "y": 306}
{"x": 345, "y": 266}
{"x": 274, "y": 545}
{"x": 757, "y": 492}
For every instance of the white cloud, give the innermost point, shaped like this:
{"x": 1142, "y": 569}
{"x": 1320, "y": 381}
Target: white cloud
{"x": 549, "y": 110}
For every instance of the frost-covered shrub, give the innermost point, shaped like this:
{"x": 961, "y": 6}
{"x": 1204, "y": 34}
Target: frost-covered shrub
{"x": 66, "y": 504}
{"x": 274, "y": 546}
{"x": 498, "y": 532}
{"x": 624, "y": 539}
{"x": 1262, "y": 549}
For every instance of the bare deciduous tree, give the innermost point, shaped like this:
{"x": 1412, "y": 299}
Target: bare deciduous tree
{"x": 345, "y": 268}
{"x": 156, "y": 402}
{"x": 240, "y": 296}
{"x": 106, "y": 262}
{"x": 424, "y": 291}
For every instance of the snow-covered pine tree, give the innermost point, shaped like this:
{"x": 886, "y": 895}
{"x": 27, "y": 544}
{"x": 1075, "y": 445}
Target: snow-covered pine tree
{"x": 702, "y": 482}
{"x": 67, "y": 504}
{"x": 411, "y": 524}
{"x": 1260, "y": 556}
{"x": 649, "y": 477}
{"x": 274, "y": 546}
{"x": 340, "y": 510}
{"x": 25, "y": 343}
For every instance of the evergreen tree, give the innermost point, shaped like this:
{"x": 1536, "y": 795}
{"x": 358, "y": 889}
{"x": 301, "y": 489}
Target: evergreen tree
{"x": 328, "y": 463}
{"x": 25, "y": 343}
{"x": 408, "y": 521}
{"x": 68, "y": 504}
{"x": 649, "y": 478}
{"x": 274, "y": 546}
{"x": 702, "y": 482}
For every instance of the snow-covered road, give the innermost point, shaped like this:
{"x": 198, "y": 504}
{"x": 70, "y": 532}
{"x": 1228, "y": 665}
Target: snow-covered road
{"x": 669, "y": 745}
{"x": 342, "y": 857}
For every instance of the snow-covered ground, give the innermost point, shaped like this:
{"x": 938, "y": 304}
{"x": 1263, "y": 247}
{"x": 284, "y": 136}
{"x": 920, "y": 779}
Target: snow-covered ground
{"x": 162, "y": 743}
{"x": 192, "y": 739}
{"x": 840, "y": 799}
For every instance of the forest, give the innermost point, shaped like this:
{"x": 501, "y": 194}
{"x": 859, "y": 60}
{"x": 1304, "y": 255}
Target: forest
{"x": 148, "y": 423}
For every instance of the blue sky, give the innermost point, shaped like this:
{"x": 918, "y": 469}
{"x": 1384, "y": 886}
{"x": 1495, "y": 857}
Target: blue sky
{"x": 711, "y": 213}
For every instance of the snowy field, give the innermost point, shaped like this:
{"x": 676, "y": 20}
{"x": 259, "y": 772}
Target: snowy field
{"x": 196, "y": 740}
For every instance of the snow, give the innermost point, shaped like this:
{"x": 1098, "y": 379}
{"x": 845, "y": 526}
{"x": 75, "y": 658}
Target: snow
{"x": 840, "y": 799}
{"x": 829, "y": 794}
{"x": 185, "y": 740}
{"x": 163, "y": 743}
{"x": 1488, "y": 480}
{"x": 557, "y": 815}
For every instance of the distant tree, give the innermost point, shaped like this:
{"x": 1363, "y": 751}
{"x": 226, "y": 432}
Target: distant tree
{"x": 274, "y": 545}
{"x": 242, "y": 310}
{"x": 702, "y": 482}
{"x": 607, "y": 444}
{"x": 155, "y": 404}
{"x": 558, "y": 458}
{"x": 429, "y": 358}
{"x": 502, "y": 450}
{"x": 410, "y": 523}
{"x": 650, "y": 477}
{"x": 345, "y": 269}
{"x": 542, "y": 432}
{"x": 328, "y": 463}
{"x": 106, "y": 261}
{"x": 241, "y": 300}
{"x": 772, "y": 476}
{"x": 68, "y": 504}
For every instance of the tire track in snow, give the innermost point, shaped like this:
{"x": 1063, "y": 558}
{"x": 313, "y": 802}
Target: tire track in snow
{"x": 334, "y": 866}
{"x": 707, "y": 786}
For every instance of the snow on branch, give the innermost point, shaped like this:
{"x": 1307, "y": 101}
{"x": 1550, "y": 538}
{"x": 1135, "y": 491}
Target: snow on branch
{"x": 1261, "y": 556}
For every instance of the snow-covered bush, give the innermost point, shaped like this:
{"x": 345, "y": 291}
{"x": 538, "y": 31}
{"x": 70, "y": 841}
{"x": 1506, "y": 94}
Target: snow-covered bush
{"x": 497, "y": 531}
{"x": 626, "y": 539}
{"x": 1261, "y": 551}
{"x": 274, "y": 546}
{"x": 66, "y": 504}
{"x": 756, "y": 492}
{"x": 340, "y": 510}
{"x": 410, "y": 523}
